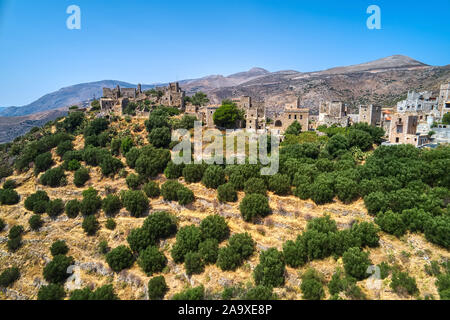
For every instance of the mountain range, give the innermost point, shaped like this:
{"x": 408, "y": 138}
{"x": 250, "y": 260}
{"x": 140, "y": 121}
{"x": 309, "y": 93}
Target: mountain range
{"x": 384, "y": 81}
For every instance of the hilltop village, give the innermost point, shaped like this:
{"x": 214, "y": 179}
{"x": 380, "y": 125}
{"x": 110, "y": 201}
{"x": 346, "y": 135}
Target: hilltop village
{"x": 414, "y": 120}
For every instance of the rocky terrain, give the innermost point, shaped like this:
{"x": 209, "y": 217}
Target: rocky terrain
{"x": 290, "y": 215}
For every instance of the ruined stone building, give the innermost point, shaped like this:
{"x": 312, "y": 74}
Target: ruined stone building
{"x": 292, "y": 112}
{"x": 206, "y": 114}
{"x": 118, "y": 98}
{"x": 386, "y": 118}
{"x": 173, "y": 96}
{"x": 403, "y": 130}
{"x": 419, "y": 102}
{"x": 370, "y": 114}
{"x": 255, "y": 112}
{"x": 333, "y": 112}
{"x": 444, "y": 99}
{"x": 442, "y": 134}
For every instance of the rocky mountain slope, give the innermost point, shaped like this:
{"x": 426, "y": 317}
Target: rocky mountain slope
{"x": 383, "y": 81}
{"x": 387, "y": 78}
{"x": 12, "y": 127}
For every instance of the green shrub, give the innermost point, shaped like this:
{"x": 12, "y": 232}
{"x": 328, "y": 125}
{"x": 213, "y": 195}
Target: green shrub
{"x": 9, "y": 184}
{"x": 35, "y": 222}
{"x": 51, "y": 292}
{"x": 136, "y": 202}
{"x": 64, "y": 147}
{"x": 391, "y": 222}
{"x": 59, "y": 247}
{"x": 366, "y": 233}
{"x": 443, "y": 285}
{"x": 322, "y": 190}
{"x": 14, "y": 244}
{"x": 185, "y": 196}
{"x": 110, "y": 224}
{"x": 214, "y": 227}
{"x": 356, "y": 263}
{"x": 339, "y": 282}
{"x": 438, "y": 231}
{"x": 255, "y": 186}
{"x": 38, "y": 197}
{"x": 72, "y": 165}
{"x": 260, "y": 293}
{"x": 193, "y": 173}
{"x": 311, "y": 286}
{"x": 169, "y": 190}
{"x": 254, "y": 205}
{"x": 237, "y": 180}
{"x": 110, "y": 165}
{"x": 152, "y": 189}
{"x": 133, "y": 181}
{"x": 173, "y": 171}
{"x": 139, "y": 239}
{"x": 152, "y": 161}
{"x": 403, "y": 284}
{"x": 90, "y": 225}
{"x": 56, "y": 270}
{"x": 151, "y": 260}
{"x": 295, "y": 128}
{"x": 160, "y": 225}
{"x": 228, "y": 259}
{"x": 227, "y": 193}
{"x": 270, "y": 270}
{"x": 15, "y": 232}
{"x": 197, "y": 293}
{"x": 240, "y": 247}
{"x": 126, "y": 144}
{"x": 188, "y": 239}
{"x": 9, "y": 276}
{"x": 213, "y": 177}
{"x": 43, "y": 162}
{"x": 375, "y": 202}
{"x": 347, "y": 190}
{"x": 295, "y": 253}
{"x": 120, "y": 258}
{"x": 73, "y": 208}
{"x": 90, "y": 204}
{"x": 209, "y": 249}
{"x": 103, "y": 247}
{"x": 55, "y": 208}
{"x": 54, "y": 177}
{"x": 157, "y": 288}
{"x": 193, "y": 263}
{"x": 84, "y": 294}
{"x": 132, "y": 156}
{"x": 9, "y": 197}
{"x": 81, "y": 176}
{"x": 111, "y": 205}
{"x": 104, "y": 293}
{"x": 2, "y": 224}
{"x": 160, "y": 137}
{"x": 243, "y": 244}
{"x": 280, "y": 184}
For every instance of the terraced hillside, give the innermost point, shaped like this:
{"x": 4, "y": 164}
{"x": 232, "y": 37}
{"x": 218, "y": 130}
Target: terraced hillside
{"x": 412, "y": 253}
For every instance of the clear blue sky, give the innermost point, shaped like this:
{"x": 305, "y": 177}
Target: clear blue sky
{"x": 158, "y": 41}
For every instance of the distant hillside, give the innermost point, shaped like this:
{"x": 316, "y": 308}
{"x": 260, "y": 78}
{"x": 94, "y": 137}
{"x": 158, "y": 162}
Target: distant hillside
{"x": 382, "y": 81}
{"x": 66, "y": 97}
{"x": 12, "y": 127}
